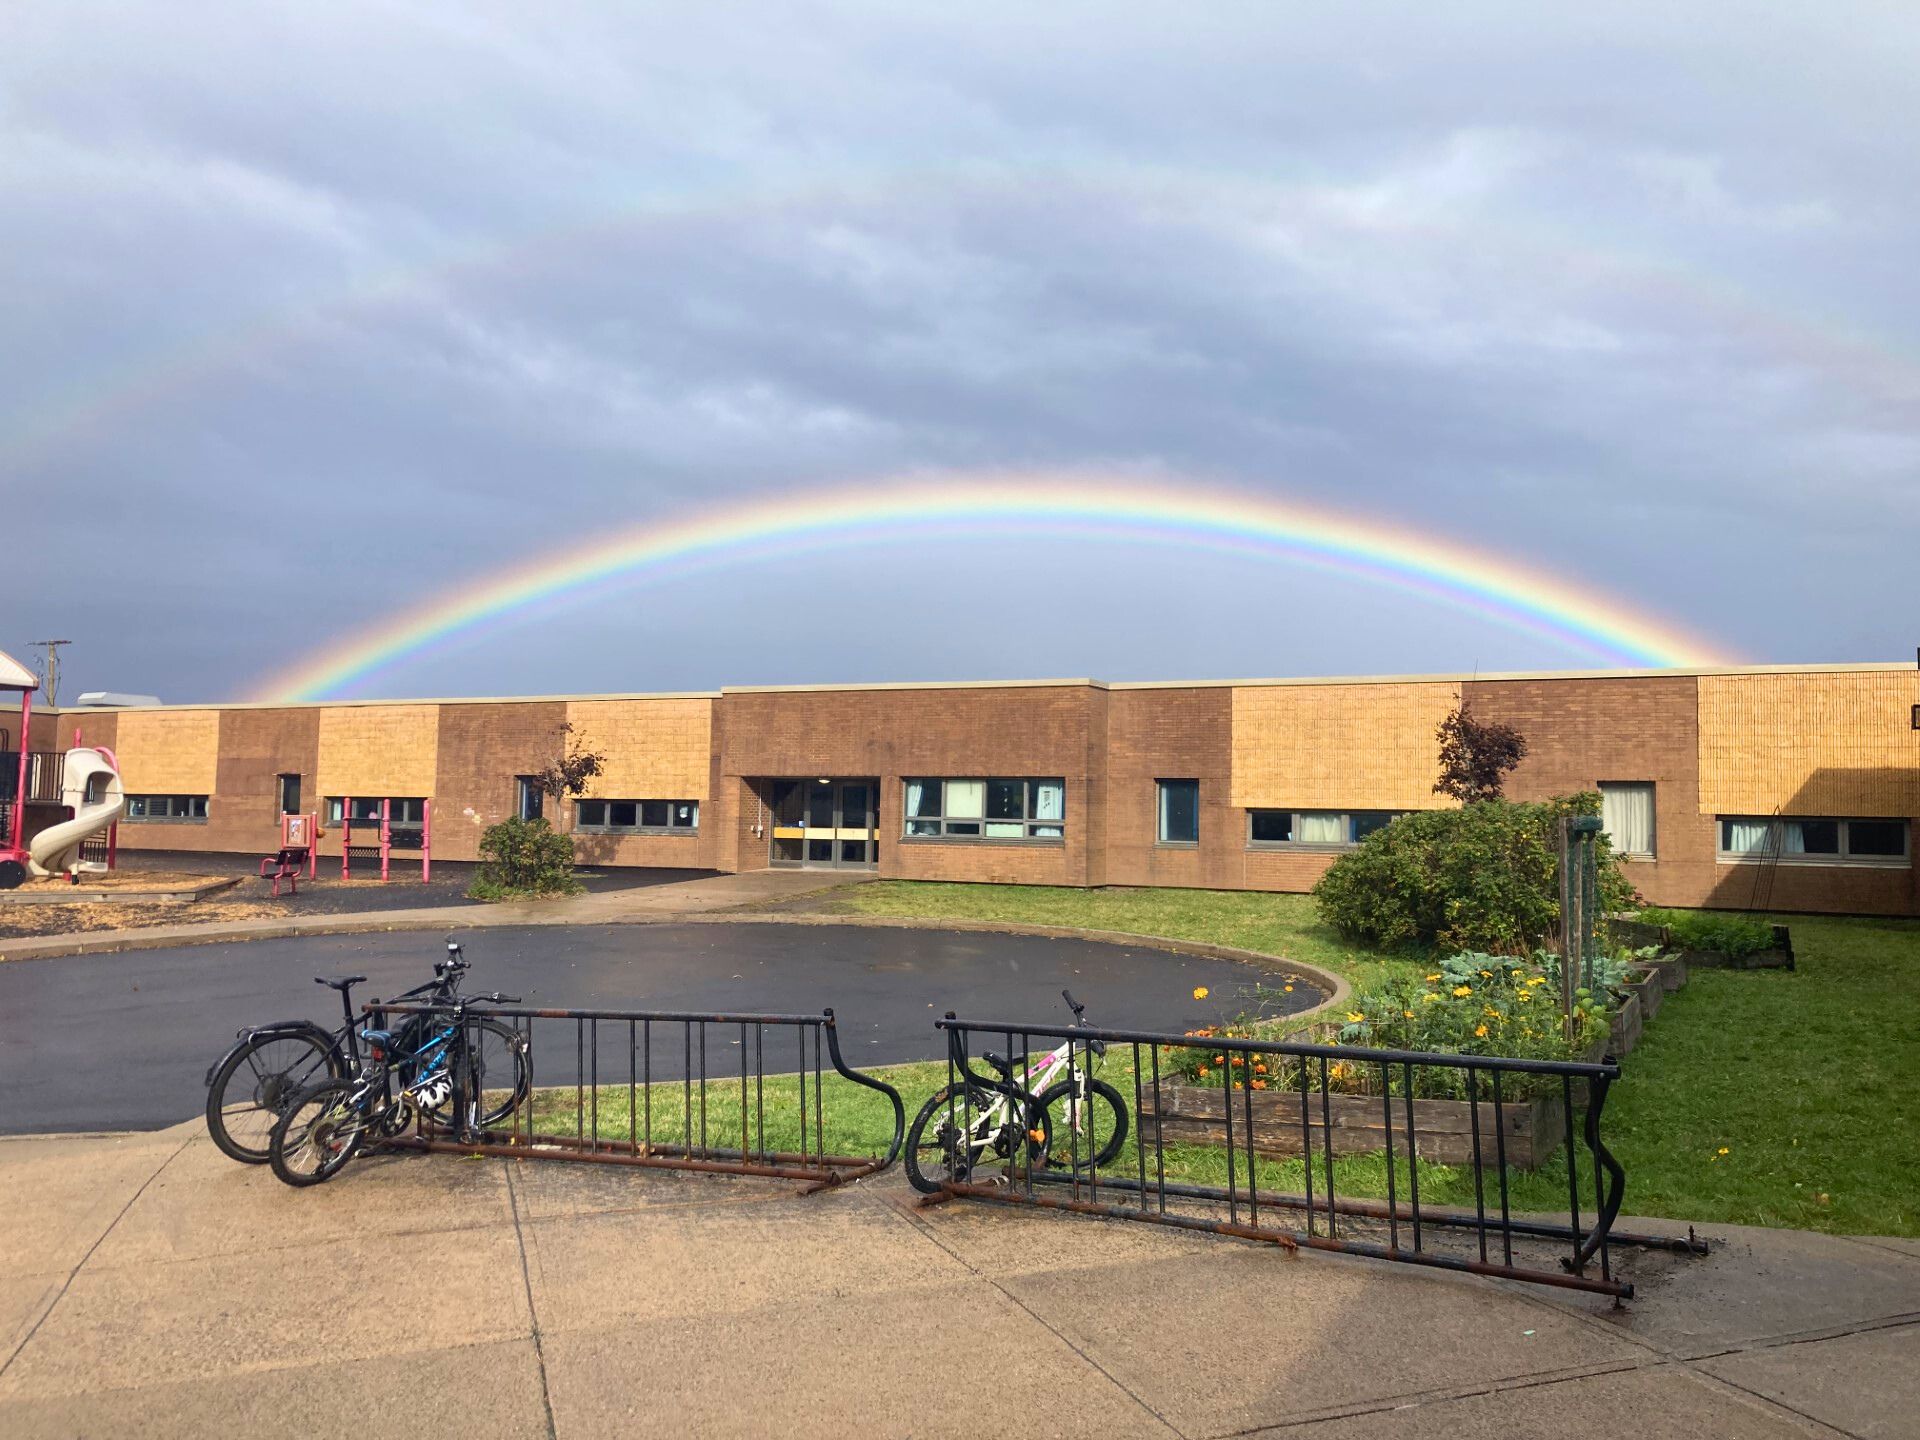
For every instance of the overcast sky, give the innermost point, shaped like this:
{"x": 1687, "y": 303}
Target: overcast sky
{"x": 309, "y": 312}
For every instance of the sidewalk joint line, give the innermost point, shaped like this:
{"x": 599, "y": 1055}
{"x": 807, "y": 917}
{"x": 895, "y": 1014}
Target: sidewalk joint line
{"x": 533, "y": 1315}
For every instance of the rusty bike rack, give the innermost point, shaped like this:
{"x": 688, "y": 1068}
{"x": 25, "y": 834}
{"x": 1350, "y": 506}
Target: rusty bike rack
{"x": 633, "y": 1055}
{"x": 1299, "y": 1115}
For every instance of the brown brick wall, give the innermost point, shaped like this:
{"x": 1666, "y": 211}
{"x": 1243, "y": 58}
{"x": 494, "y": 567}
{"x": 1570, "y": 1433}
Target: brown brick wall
{"x": 1155, "y": 735}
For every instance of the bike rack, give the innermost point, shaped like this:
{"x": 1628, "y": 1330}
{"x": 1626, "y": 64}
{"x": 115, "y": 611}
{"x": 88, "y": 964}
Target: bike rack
{"x": 1302, "y": 1116}
{"x": 643, "y": 1093}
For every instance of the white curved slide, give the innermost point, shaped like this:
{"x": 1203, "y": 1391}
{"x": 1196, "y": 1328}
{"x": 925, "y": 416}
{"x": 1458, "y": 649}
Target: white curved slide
{"x": 56, "y": 850}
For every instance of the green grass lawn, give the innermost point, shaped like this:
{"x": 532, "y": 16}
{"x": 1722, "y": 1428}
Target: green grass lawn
{"x": 1806, "y": 1079}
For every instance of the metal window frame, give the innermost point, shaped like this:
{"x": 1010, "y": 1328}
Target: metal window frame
{"x": 1312, "y": 847}
{"x": 1845, "y": 858}
{"x": 581, "y": 827}
{"x": 1027, "y": 819}
{"x": 1160, "y": 816}
{"x": 170, "y": 818}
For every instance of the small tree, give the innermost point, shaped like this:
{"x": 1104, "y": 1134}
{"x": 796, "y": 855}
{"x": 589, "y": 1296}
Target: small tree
{"x": 570, "y": 774}
{"x": 524, "y": 857}
{"x": 1475, "y": 756}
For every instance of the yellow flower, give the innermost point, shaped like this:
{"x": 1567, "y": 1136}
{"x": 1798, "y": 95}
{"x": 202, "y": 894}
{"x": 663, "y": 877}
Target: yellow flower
{"x": 1289, "y": 989}
{"x": 1538, "y": 980}
{"x": 1462, "y": 990}
{"x": 1199, "y": 992}
{"x": 1723, "y": 1150}
{"x": 1430, "y": 998}
{"x": 1409, "y": 1014}
{"x": 1356, "y": 1016}
{"x": 1486, "y": 974}
{"x": 1481, "y": 1031}
{"x": 1432, "y": 978}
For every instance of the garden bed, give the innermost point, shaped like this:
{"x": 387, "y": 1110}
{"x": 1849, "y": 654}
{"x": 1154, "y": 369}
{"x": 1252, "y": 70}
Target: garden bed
{"x": 1534, "y": 1127}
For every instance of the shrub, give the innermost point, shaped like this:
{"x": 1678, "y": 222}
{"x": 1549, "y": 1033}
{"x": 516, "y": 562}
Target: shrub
{"x": 524, "y": 857}
{"x": 1734, "y": 935}
{"x": 1475, "y": 756}
{"x": 1483, "y": 877}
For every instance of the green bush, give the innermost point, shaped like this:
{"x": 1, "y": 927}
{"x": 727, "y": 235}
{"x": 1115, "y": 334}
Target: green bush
{"x": 1734, "y": 935}
{"x": 524, "y": 857}
{"x": 1483, "y": 878}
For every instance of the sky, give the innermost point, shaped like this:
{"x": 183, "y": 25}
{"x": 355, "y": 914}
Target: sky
{"x": 309, "y": 314}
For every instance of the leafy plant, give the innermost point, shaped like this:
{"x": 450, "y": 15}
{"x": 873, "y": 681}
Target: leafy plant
{"x": 1734, "y": 935}
{"x": 1483, "y": 878}
{"x": 524, "y": 857}
{"x": 574, "y": 770}
{"x": 1475, "y": 756}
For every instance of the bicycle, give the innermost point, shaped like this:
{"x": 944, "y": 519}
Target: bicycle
{"x": 958, "y": 1145}
{"x": 271, "y": 1063}
{"x": 325, "y": 1124}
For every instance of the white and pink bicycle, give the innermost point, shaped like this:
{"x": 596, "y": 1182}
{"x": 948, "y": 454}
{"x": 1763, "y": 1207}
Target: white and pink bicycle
{"x": 1063, "y": 1117}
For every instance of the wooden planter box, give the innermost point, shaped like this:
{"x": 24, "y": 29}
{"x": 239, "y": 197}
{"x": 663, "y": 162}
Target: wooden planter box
{"x": 1191, "y": 1115}
{"x": 1672, "y": 972}
{"x": 1651, "y": 991}
{"x": 1628, "y": 1020}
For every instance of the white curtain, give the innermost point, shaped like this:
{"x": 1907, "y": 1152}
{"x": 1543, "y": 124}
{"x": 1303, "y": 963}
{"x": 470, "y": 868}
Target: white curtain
{"x": 916, "y": 791}
{"x": 1049, "y": 800}
{"x": 1322, "y": 827}
{"x": 966, "y": 799}
{"x": 1747, "y": 837}
{"x": 1627, "y": 813}
{"x": 1794, "y": 840}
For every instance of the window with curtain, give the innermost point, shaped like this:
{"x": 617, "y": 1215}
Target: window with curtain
{"x": 1626, "y": 814}
{"x": 637, "y": 817}
{"x": 403, "y": 809}
{"x": 1179, "y": 812}
{"x": 989, "y": 809}
{"x": 1321, "y": 829}
{"x": 1814, "y": 840}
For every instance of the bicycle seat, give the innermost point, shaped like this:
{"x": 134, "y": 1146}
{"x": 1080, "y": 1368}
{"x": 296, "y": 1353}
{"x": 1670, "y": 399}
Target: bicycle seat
{"x": 339, "y": 982}
{"x": 1005, "y": 1067}
{"x": 380, "y": 1042}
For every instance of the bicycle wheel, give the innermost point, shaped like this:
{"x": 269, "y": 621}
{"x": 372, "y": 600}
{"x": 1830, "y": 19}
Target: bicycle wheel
{"x": 319, "y": 1132}
{"x": 500, "y": 1075}
{"x": 1088, "y": 1133}
{"x": 254, "y": 1083}
{"x": 934, "y": 1151}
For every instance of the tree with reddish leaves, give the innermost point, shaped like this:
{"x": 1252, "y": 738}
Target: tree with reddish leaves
{"x": 1475, "y": 756}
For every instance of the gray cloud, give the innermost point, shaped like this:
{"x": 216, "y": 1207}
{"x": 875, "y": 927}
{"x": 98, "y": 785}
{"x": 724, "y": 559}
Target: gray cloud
{"x": 361, "y": 303}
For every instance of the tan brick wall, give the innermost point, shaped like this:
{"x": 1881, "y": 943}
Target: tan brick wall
{"x": 166, "y": 752}
{"x": 376, "y": 750}
{"x": 655, "y": 749}
{"x": 1821, "y": 744}
{"x": 1339, "y": 747}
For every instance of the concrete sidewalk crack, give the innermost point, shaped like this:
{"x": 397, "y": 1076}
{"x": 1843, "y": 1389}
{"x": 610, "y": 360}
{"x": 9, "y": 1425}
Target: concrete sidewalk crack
{"x": 533, "y": 1314}
{"x": 65, "y": 1285}
{"x": 916, "y": 1223}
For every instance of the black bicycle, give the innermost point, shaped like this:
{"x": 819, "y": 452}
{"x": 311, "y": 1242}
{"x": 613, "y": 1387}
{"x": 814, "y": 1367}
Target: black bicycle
{"x": 1069, "y": 1119}
{"x": 248, "y": 1088}
{"x": 430, "y": 1072}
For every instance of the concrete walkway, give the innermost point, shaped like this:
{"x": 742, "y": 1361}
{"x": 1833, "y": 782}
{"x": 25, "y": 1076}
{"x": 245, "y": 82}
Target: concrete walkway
{"x": 150, "y": 1287}
{"x": 705, "y": 896}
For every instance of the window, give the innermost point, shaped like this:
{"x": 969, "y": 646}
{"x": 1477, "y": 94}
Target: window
{"x": 289, "y": 794}
{"x": 637, "y": 817}
{"x": 410, "y": 810}
{"x": 1323, "y": 829}
{"x": 1179, "y": 812}
{"x": 178, "y": 809}
{"x": 529, "y": 799}
{"x": 1626, "y": 814}
{"x": 1796, "y": 840}
{"x": 986, "y": 809}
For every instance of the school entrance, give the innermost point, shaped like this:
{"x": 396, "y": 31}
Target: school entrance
{"x": 825, "y": 823}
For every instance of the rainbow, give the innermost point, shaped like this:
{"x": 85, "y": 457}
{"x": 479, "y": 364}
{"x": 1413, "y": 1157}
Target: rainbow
{"x": 1581, "y": 620}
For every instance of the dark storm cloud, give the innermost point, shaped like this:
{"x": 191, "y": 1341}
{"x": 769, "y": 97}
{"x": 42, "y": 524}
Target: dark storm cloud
{"x": 380, "y": 300}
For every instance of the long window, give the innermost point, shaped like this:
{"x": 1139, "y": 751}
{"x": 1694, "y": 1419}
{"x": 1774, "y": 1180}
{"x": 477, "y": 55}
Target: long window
{"x": 1809, "y": 840}
{"x": 1321, "y": 829}
{"x": 1179, "y": 812}
{"x": 637, "y": 817}
{"x": 986, "y": 809}
{"x": 179, "y": 809}
{"x": 1626, "y": 813}
{"x": 402, "y": 810}
{"x": 529, "y": 799}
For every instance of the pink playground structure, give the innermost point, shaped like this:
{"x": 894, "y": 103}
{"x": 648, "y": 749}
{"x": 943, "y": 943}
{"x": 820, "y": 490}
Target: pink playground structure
{"x": 89, "y": 787}
{"x": 383, "y": 850}
{"x": 299, "y": 845}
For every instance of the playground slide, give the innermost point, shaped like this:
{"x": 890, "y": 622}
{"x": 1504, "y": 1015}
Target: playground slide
{"x": 56, "y": 849}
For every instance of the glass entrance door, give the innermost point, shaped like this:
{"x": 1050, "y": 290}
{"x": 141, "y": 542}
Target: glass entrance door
{"x": 825, "y": 822}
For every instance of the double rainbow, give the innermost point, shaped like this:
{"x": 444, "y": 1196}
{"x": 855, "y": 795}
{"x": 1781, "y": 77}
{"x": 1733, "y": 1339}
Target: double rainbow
{"x": 1580, "y": 620}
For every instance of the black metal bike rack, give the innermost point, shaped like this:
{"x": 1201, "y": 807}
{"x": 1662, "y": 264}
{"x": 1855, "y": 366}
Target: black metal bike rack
{"x": 632, "y": 1055}
{"x": 1488, "y": 1239}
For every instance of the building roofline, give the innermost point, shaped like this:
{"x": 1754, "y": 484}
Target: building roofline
{"x": 1455, "y": 677}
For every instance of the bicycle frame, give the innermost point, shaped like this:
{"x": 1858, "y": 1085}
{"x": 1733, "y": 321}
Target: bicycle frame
{"x": 989, "y": 1124}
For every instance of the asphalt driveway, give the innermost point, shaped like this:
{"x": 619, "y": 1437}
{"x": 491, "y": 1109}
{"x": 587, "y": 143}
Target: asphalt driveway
{"x": 123, "y": 1041}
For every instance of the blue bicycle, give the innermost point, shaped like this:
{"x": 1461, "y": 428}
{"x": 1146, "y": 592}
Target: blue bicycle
{"x": 431, "y": 1072}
